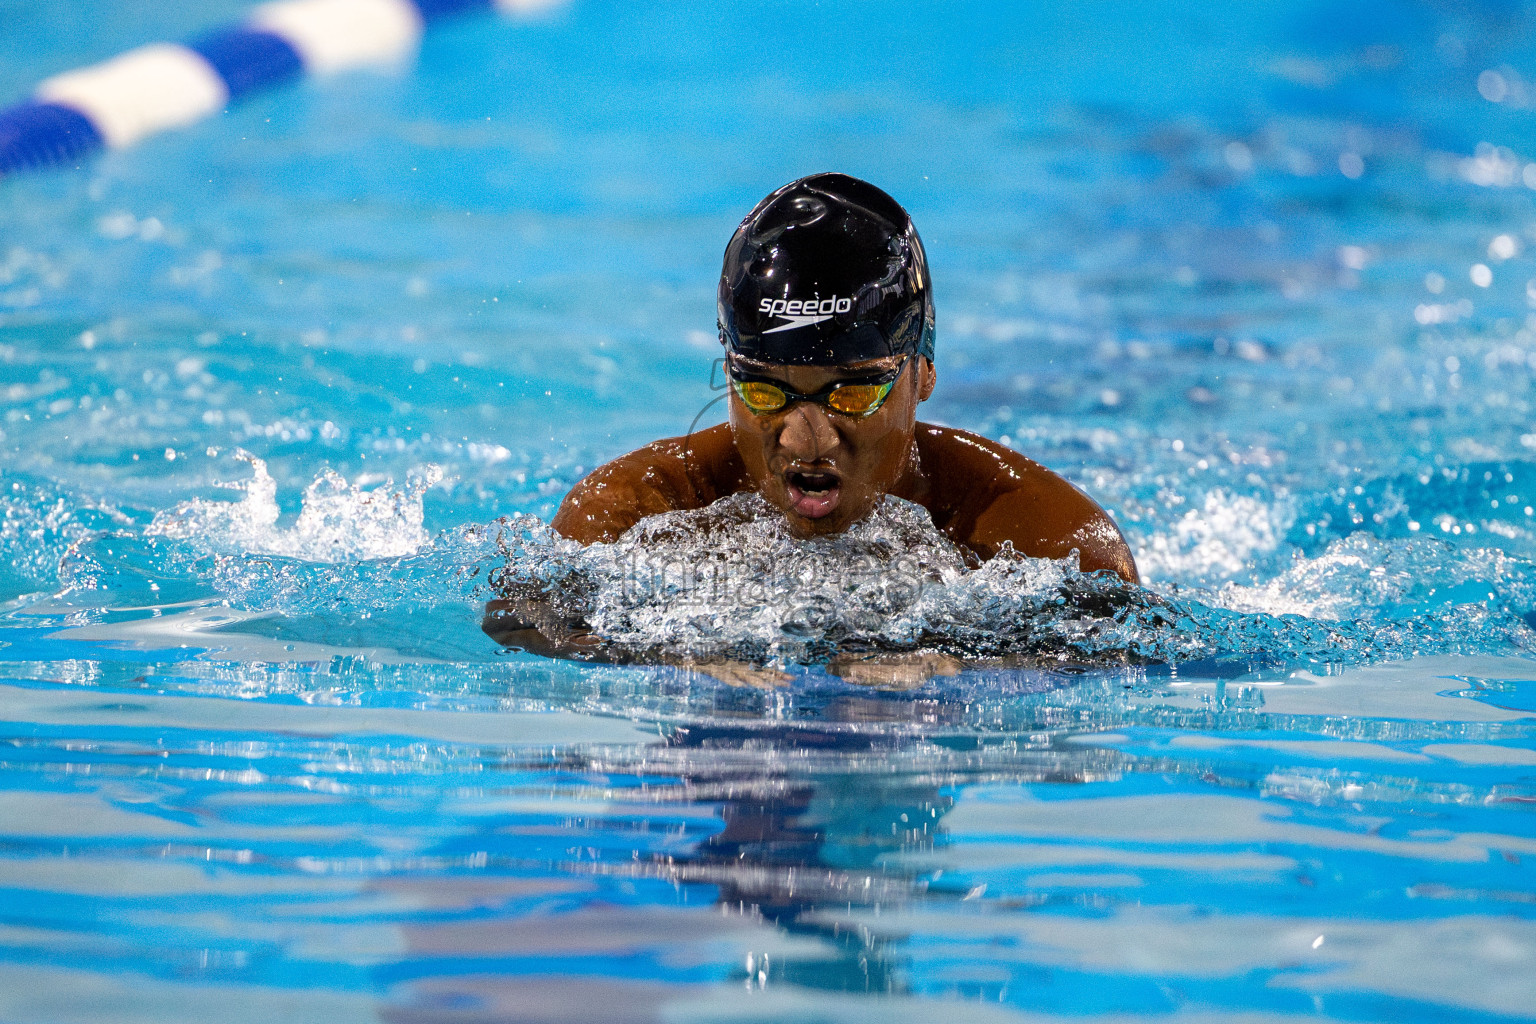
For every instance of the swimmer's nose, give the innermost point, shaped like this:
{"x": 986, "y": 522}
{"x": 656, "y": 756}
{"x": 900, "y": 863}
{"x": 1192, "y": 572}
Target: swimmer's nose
{"x": 808, "y": 434}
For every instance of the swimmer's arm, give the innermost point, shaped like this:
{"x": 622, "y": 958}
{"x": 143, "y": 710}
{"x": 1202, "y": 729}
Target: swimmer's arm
{"x": 664, "y": 476}
{"x": 1051, "y": 525}
{"x": 618, "y": 495}
{"x": 999, "y": 495}
{"x": 610, "y": 500}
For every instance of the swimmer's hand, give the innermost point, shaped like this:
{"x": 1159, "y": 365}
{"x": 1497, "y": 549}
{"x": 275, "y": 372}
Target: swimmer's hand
{"x": 530, "y": 623}
{"x": 739, "y": 673}
{"x": 904, "y": 671}
{"x": 528, "y": 626}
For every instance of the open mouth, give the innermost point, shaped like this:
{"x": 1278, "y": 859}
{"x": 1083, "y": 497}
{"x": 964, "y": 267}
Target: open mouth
{"x": 812, "y": 493}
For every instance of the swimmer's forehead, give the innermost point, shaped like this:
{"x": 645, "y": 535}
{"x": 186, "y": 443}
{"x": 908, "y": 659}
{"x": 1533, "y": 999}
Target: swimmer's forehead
{"x": 862, "y": 368}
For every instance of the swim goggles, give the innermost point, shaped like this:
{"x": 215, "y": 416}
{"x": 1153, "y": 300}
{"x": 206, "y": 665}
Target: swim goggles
{"x": 857, "y": 397}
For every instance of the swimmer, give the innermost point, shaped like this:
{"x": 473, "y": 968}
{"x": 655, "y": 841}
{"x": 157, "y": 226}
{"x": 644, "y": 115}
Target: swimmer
{"x": 826, "y": 316}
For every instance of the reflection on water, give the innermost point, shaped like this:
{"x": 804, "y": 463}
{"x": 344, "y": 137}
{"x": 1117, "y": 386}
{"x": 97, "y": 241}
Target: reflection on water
{"x": 1106, "y": 840}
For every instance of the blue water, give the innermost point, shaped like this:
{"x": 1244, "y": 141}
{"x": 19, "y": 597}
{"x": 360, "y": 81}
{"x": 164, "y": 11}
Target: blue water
{"x": 1257, "y": 276}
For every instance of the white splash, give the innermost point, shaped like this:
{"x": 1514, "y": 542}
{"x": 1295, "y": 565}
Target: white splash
{"x": 339, "y": 521}
{"x": 1361, "y": 576}
{"x": 1217, "y": 541}
{"x": 732, "y": 578}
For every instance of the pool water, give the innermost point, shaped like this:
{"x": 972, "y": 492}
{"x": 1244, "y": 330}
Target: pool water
{"x": 1259, "y": 277}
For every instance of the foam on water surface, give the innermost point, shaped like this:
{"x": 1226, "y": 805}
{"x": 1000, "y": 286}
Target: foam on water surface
{"x": 731, "y": 581}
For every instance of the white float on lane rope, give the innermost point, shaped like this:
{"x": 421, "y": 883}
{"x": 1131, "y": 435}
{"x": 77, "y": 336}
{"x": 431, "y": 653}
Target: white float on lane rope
{"x": 338, "y": 35}
{"x": 150, "y": 89}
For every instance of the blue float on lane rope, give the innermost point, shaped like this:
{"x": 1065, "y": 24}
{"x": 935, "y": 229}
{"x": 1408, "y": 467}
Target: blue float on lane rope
{"x": 248, "y": 59}
{"x": 166, "y": 85}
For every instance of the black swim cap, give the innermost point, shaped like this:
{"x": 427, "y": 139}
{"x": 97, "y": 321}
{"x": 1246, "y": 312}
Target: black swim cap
{"x": 826, "y": 271}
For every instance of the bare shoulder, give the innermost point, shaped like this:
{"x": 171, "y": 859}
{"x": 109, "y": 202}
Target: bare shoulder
{"x": 663, "y": 476}
{"x": 983, "y": 493}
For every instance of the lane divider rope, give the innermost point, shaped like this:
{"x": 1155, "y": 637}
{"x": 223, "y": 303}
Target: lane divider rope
{"x": 169, "y": 85}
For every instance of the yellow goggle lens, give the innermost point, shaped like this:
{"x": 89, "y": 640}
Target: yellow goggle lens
{"x": 760, "y": 397}
{"x": 850, "y": 399}
{"x": 857, "y": 399}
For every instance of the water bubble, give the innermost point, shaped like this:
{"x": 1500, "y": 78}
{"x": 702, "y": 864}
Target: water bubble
{"x": 118, "y": 225}
{"x": 1352, "y": 257}
{"x": 1503, "y": 247}
{"x": 1239, "y": 157}
{"x": 1492, "y": 86}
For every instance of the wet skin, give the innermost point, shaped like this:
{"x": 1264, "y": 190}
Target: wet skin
{"x": 825, "y": 471}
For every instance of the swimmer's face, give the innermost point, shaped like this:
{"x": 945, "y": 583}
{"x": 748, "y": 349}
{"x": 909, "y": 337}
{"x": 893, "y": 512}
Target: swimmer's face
{"x": 823, "y": 469}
